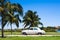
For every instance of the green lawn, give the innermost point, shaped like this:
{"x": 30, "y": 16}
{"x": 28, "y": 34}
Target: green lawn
{"x": 32, "y": 38}
{"x": 19, "y": 33}
{"x": 9, "y": 33}
{"x": 52, "y": 33}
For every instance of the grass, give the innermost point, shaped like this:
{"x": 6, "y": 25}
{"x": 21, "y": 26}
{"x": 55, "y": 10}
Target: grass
{"x": 19, "y": 33}
{"x": 13, "y": 33}
{"x": 52, "y": 33}
{"x": 32, "y": 38}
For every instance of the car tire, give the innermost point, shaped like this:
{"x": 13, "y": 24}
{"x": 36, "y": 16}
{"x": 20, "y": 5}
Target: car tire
{"x": 24, "y": 33}
{"x": 39, "y": 33}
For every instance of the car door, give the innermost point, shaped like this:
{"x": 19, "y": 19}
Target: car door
{"x": 31, "y": 31}
{"x": 35, "y": 30}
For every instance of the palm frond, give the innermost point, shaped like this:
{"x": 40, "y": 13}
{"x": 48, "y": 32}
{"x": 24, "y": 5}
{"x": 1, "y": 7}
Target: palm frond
{"x": 18, "y": 8}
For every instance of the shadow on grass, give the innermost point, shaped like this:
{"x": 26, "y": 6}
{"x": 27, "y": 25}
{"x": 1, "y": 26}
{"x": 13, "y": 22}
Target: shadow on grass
{"x": 3, "y": 37}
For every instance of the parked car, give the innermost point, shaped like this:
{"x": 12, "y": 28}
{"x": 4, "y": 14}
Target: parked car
{"x": 33, "y": 30}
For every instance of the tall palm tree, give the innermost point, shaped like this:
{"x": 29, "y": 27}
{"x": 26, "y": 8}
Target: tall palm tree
{"x": 14, "y": 18}
{"x": 31, "y": 19}
{"x": 3, "y": 20}
{"x": 7, "y": 12}
{"x": 3, "y": 15}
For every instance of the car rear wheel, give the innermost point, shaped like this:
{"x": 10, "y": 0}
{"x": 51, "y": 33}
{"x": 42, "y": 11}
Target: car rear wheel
{"x": 24, "y": 33}
{"x": 39, "y": 33}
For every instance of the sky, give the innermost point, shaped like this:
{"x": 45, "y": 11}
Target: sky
{"x": 48, "y": 10}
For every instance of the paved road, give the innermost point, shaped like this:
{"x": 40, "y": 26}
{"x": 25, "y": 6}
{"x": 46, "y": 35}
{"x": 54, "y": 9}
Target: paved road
{"x": 31, "y": 35}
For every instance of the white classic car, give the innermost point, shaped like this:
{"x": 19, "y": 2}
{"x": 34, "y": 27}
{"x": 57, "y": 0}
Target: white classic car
{"x": 33, "y": 30}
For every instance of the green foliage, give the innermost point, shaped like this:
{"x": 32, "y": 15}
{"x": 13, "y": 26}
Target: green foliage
{"x": 12, "y": 8}
{"x": 13, "y": 30}
{"x": 31, "y": 19}
{"x": 50, "y": 29}
{"x": 7, "y": 13}
{"x": 8, "y": 30}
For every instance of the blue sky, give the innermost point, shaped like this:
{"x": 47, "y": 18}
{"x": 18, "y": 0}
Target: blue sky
{"x": 48, "y": 10}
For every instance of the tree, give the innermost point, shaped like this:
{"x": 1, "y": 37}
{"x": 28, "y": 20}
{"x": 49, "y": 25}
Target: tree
{"x": 3, "y": 15}
{"x": 7, "y": 13}
{"x": 31, "y": 19}
{"x": 14, "y": 17}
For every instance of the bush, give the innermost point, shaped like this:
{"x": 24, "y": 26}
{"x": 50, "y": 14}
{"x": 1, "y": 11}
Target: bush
{"x": 50, "y": 29}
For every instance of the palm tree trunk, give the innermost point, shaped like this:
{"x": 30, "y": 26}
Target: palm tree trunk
{"x": 2, "y": 29}
{"x": 2, "y": 32}
{"x": 42, "y": 27}
{"x": 11, "y": 29}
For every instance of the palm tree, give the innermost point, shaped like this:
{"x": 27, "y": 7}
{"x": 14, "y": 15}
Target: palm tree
{"x": 14, "y": 18}
{"x": 31, "y": 19}
{"x": 3, "y": 15}
{"x": 3, "y": 20}
{"x": 7, "y": 11}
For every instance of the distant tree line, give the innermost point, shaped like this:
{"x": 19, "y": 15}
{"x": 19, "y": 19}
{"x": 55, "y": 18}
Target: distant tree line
{"x": 47, "y": 29}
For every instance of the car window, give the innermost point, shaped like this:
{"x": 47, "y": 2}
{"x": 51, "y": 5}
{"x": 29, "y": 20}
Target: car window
{"x": 35, "y": 28}
{"x": 31, "y": 28}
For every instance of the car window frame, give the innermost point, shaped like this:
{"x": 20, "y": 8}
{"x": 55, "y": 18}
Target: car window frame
{"x": 31, "y": 29}
{"x": 35, "y": 29}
